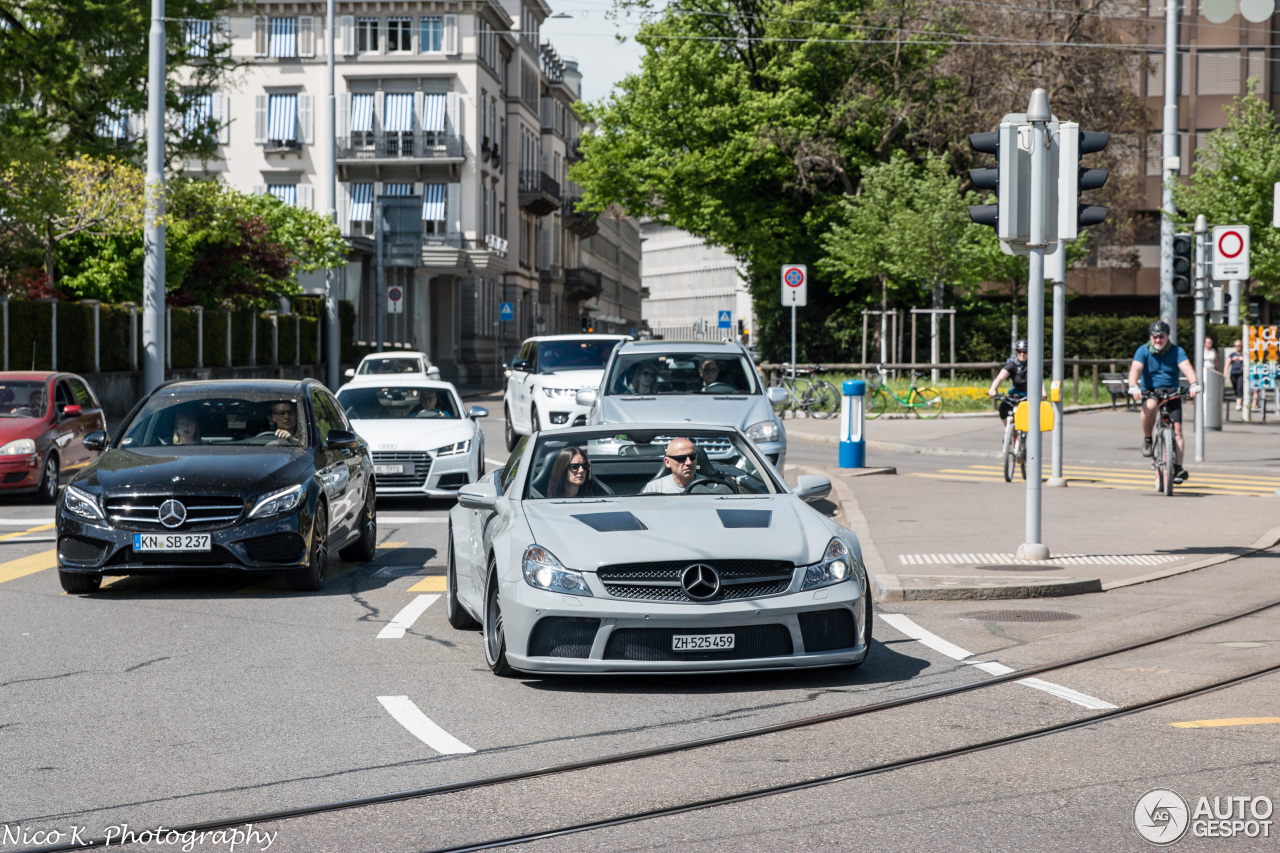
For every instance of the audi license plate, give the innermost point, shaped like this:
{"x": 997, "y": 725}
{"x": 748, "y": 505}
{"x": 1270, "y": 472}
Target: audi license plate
{"x": 701, "y": 642}
{"x": 388, "y": 469}
{"x": 171, "y": 542}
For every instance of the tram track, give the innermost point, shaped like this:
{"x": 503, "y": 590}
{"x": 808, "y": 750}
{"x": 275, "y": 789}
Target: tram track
{"x": 758, "y": 732}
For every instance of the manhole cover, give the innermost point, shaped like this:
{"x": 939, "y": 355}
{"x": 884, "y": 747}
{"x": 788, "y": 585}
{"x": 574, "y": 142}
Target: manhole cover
{"x": 1018, "y": 616}
{"x": 1020, "y": 567}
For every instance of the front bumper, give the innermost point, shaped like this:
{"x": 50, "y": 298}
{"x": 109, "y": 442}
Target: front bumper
{"x": 274, "y": 544}
{"x": 560, "y": 412}
{"x": 814, "y": 628}
{"x": 20, "y": 473}
{"x": 445, "y": 475}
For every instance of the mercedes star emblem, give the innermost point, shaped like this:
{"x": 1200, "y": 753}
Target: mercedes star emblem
{"x": 700, "y": 581}
{"x": 172, "y": 513}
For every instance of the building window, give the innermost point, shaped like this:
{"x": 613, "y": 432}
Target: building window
{"x": 199, "y": 115}
{"x": 199, "y": 34}
{"x": 284, "y": 37}
{"x": 366, "y": 35}
{"x": 282, "y": 118}
{"x": 362, "y": 122}
{"x": 361, "y": 209}
{"x": 287, "y": 193}
{"x": 432, "y": 34}
{"x": 399, "y": 36}
{"x": 433, "y": 209}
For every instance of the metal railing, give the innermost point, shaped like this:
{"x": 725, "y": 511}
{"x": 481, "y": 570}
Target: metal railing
{"x": 537, "y": 181}
{"x": 392, "y": 146}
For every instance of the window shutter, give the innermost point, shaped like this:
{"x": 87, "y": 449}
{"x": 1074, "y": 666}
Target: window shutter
{"x": 306, "y": 197}
{"x": 306, "y": 35}
{"x": 344, "y": 208}
{"x": 344, "y": 115}
{"x": 135, "y": 125}
{"x": 347, "y": 26}
{"x": 416, "y": 120}
{"x": 306, "y": 124}
{"x": 1218, "y": 73}
{"x": 453, "y": 208}
{"x": 382, "y": 35}
{"x": 259, "y": 119}
{"x": 379, "y": 101}
{"x": 222, "y": 32}
{"x": 259, "y": 189}
{"x": 544, "y": 250}
{"x": 451, "y": 45}
{"x": 453, "y": 114}
{"x": 259, "y": 35}
{"x": 222, "y": 115}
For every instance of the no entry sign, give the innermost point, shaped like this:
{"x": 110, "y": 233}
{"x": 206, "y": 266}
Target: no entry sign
{"x": 795, "y": 285}
{"x": 1231, "y": 252}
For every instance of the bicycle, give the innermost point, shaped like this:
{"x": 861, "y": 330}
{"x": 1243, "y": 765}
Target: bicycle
{"x": 1014, "y": 449}
{"x": 817, "y": 397}
{"x": 925, "y": 402}
{"x": 1164, "y": 451}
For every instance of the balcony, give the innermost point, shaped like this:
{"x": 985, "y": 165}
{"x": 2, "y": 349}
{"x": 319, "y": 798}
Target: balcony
{"x": 399, "y": 146}
{"x": 581, "y": 223}
{"x": 582, "y": 283}
{"x": 278, "y": 146}
{"x": 539, "y": 193}
{"x": 573, "y": 150}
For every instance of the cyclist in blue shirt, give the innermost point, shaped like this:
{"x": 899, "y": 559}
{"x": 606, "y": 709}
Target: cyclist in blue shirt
{"x": 1157, "y": 365}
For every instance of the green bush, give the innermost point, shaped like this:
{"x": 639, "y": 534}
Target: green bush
{"x": 288, "y": 338}
{"x": 183, "y": 332}
{"x": 114, "y": 329}
{"x": 215, "y": 338}
{"x": 241, "y": 343}
{"x": 310, "y": 340}
{"x": 264, "y": 338}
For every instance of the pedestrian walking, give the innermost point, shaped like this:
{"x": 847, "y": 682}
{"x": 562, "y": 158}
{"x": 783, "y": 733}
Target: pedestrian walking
{"x": 1235, "y": 371}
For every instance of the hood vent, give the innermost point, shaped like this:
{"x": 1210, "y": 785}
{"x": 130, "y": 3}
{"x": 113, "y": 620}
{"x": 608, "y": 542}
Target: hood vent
{"x": 735, "y": 518}
{"x": 610, "y": 522}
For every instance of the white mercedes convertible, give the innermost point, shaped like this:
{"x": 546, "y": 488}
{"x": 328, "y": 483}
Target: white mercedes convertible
{"x": 653, "y": 548}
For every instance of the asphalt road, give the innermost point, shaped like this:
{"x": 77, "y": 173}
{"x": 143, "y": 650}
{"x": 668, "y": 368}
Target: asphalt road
{"x": 170, "y": 701}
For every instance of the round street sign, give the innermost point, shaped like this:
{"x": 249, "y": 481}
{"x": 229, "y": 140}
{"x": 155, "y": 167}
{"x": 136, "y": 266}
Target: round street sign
{"x": 1230, "y": 244}
{"x": 795, "y": 285}
{"x": 395, "y": 294}
{"x": 794, "y": 277}
{"x": 1230, "y": 252}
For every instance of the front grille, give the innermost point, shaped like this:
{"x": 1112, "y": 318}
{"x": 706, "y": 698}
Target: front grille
{"x": 715, "y": 447}
{"x": 452, "y": 481}
{"x": 218, "y": 556}
{"x": 276, "y": 548}
{"x": 739, "y": 579}
{"x": 73, "y": 549}
{"x": 827, "y": 630}
{"x": 563, "y": 637}
{"x": 416, "y": 468}
{"x": 142, "y": 513}
{"x": 654, "y": 644}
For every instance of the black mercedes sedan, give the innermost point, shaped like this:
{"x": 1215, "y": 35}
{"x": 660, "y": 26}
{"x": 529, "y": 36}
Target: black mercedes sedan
{"x": 247, "y": 475}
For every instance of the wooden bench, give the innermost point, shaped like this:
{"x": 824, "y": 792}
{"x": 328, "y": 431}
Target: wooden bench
{"x": 1117, "y": 384}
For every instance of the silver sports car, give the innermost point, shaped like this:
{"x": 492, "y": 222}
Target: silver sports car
{"x": 653, "y": 548}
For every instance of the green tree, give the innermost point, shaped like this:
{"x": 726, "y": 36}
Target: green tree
{"x": 1232, "y": 184}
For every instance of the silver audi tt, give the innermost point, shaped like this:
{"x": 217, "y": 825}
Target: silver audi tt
{"x": 653, "y": 548}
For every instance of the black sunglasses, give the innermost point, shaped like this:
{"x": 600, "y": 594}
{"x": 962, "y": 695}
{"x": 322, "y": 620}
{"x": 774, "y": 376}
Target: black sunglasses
{"x": 578, "y": 466}
{"x": 648, "y": 375}
{"x": 683, "y": 457}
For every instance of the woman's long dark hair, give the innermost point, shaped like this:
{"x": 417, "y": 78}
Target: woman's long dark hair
{"x": 560, "y": 471}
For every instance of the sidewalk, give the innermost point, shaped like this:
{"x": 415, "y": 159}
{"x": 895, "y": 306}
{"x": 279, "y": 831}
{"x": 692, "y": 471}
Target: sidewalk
{"x": 927, "y": 535}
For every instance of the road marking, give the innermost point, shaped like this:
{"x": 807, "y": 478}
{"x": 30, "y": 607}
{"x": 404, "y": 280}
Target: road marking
{"x": 434, "y": 583}
{"x": 494, "y": 462}
{"x": 1131, "y": 479}
{"x": 1238, "y": 721}
{"x": 389, "y": 545}
{"x": 405, "y": 618}
{"x": 29, "y": 565}
{"x": 905, "y": 625}
{"x": 40, "y": 529}
{"x": 20, "y": 522}
{"x": 412, "y": 519}
{"x": 420, "y": 726}
{"x": 1068, "y": 559}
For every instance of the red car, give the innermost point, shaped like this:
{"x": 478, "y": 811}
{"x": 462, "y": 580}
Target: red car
{"x": 44, "y": 418}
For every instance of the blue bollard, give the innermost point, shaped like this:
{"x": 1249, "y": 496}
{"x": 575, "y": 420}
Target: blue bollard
{"x": 853, "y": 446}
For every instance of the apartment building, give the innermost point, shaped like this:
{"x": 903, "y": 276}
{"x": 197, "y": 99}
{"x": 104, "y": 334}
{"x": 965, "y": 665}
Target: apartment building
{"x": 689, "y": 284}
{"x": 459, "y": 103}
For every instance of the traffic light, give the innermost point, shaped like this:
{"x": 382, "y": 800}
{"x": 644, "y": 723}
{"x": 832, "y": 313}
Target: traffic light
{"x": 1184, "y": 247}
{"x": 1074, "y": 179}
{"x": 1010, "y": 180}
{"x": 586, "y": 323}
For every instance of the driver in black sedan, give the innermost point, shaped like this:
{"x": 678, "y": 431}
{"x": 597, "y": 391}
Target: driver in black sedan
{"x": 284, "y": 417}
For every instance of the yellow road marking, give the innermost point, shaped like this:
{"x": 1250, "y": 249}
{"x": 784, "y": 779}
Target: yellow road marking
{"x": 389, "y": 545}
{"x": 1137, "y": 481}
{"x": 434, "y": 583}
{"x": 1233, "y": 479}
{"x": 23, "y": 566}
{"x": 39, "y": 529}
{"x": 1237, "y": 721}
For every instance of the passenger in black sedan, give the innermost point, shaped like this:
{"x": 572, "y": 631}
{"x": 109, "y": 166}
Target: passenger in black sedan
{"x": 284, "y": 415}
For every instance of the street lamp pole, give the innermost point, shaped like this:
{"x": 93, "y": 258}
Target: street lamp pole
{"x": 330, "y": 190}
{"x": 153, "y": 235}
{"x": 1170, "y": 168}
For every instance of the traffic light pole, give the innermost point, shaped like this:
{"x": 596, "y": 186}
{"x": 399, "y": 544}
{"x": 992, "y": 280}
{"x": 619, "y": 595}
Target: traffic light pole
{"x": 1202, "y": 284}
{"x": 1056, "y": 272}
{"x": 1168, "y": 300}
{"x": 1038, "y": 115}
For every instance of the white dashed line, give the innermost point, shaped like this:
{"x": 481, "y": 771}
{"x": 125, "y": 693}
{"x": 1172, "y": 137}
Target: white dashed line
{"x": 405, "y": 618}
{"x": 905, "y": 625}
{"x": 494, "y": 462}
{"x": 412, "y": 519}
{"x": 420, "y": 726}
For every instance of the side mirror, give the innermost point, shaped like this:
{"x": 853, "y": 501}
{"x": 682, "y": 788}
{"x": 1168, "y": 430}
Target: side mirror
{"x": 477, "y": 412}
{"x": 478, "y": 496}
{"x": 586, "y": 397}
{"x": 433, "y": 372}
{"x": 96, "y": 441}
{"x": 520, "y": 364}
{"x": 777, "y": 396}
{"x": 350, "y": 373}
{"x": 812, "y": 487}
{"x": 340, "y": 439}
{"x": 72, "y": 411}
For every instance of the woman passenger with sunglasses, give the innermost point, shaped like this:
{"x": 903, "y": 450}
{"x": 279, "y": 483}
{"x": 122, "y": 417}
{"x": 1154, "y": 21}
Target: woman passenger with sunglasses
{"x": 570, "y": 475}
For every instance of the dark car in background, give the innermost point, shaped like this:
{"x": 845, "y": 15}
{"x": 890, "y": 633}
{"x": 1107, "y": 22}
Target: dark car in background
{"x": 253, "y": 476}
{"x": 44, "y": 418}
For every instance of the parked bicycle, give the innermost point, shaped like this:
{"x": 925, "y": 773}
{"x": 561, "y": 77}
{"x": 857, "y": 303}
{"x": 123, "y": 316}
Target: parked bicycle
{"x": 925, "y": 402}
{"x": 1015, "y": 440}
{"x": 816, "y": 397}
{"x": 1164, "y": 450}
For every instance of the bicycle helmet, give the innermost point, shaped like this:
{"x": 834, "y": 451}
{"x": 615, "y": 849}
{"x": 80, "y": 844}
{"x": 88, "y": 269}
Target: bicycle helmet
{"x": 1020, "y": 346}
{"x": 1159, "y": 327}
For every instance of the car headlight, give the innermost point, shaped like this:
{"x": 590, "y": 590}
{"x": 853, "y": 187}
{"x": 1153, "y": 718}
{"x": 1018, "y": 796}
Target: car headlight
{"x": 21, "y": 447}
{"x": 763, "y": 431}
{"x": 836, "y": 566}
{"x": 81, "y": 503}
{"x": 560, "y": 392}
{"x": 452, "y": 449}
{"x": 281, "y": 500}
{"x": 543, "y": 571}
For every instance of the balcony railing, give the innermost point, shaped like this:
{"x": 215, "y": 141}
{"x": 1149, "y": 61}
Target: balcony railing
{"x": 275, "y": 145}
{"x": 582, "y": 283}
{"x": 399, "y": 146}
{"x": 539, "y": 182}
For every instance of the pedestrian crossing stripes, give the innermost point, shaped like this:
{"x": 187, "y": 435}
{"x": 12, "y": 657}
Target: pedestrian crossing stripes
{"x": 1066, "y": 559}
{"x": 1131, "y": 479}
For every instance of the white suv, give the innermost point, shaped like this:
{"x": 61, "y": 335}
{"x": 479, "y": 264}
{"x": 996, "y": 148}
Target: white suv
{"x": 546, "y": 376}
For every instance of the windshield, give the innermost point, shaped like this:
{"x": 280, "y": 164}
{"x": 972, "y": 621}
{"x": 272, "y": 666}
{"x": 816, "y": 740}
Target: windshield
{"x": 604, "y": 464}
{"x": 554, "y": 356}
{"x": 392, "y": 364}
{"x": 210, "y": 416}
{"x": 648, "y": 373}
{"x": 390, "y": 403}
{"x": 23, "y": 400}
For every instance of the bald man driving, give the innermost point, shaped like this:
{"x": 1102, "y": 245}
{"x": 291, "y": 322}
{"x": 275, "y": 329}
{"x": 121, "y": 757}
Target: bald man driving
{"x": 681, "y": 459}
